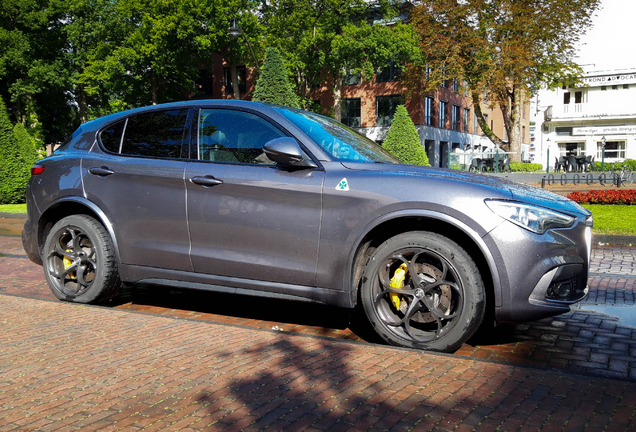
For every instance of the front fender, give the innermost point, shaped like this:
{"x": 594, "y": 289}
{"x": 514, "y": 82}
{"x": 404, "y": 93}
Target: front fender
{"x": 474, "y": 236}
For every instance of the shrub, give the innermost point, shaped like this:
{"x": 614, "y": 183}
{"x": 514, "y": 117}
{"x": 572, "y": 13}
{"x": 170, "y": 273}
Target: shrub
{"x": 403, "y": 141}
{"x": 631, "y": 164}
{"x": 625, "y": 196}
{"x": 273, "y": 85}
{"x": 525, "y": 167}
{"x": 12, "y": 186}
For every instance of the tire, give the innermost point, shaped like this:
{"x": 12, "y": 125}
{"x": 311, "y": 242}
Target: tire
{"x": 79, "y": 261}
{"x": 432, "y": 315}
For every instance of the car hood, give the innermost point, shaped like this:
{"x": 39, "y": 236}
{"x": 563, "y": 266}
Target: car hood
{"x": 519, "y": 191}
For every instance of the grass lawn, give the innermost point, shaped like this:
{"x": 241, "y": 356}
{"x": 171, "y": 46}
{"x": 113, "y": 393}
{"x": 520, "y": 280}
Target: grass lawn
{"x": 613, "y": 219}
{"x": 12, "y": 208}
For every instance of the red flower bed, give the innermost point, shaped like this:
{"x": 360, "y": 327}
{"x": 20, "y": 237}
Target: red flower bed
{"x": 627, "y": 196}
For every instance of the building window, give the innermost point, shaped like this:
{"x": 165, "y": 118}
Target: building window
{"x": 625, "y": 86}
{"x": 603, "y": 88}
{"x": 391, "y": 72}
{"x": 385, "y": 108}
{"x": 350, "y": 112}
{"x": 466, "y": 116}
{"x": 203, "y": 83}
{"x": 614, "y": 87}
{"x": 455, "y": 85}
{"x": 563, "y": 131}
{"x": 351, "y": 78}
{"x": 523, "y": 134}
{"x": 613, "y": 150}
{"x": 475, "y": 124}
{"x": 442, "y": 114}
{"x": 578, "y": 97}
{"x": 241, "y": 75}
{"x": 455, "y": 117}
{"x": 428, "y": 110}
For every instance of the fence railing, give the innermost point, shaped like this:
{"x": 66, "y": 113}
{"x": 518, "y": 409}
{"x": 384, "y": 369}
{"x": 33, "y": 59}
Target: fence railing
{"x": 603, "y": 179}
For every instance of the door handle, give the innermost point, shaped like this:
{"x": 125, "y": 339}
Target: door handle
{"x": 206, "y": 181}
{"x": 101, "y": 171}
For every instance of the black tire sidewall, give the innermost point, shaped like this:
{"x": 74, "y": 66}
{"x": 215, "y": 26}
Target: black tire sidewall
{"x": 473, "y": 295}
{"x": 101, "y": 243}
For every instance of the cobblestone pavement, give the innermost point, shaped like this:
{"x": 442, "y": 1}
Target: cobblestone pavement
{"x": 592, "y": 340}
{"x": 66, "y": 367}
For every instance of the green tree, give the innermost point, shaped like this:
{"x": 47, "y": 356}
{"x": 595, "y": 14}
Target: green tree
{"x": 323, "y": 40}
{"x": 273, "y": 85}
{"x": 503, "y": 49}
{"x": 403, "y": 141}
{"x": 11, "y": 178}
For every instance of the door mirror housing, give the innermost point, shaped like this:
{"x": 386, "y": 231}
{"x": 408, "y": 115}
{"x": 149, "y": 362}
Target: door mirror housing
{"x": 286, "y": 151}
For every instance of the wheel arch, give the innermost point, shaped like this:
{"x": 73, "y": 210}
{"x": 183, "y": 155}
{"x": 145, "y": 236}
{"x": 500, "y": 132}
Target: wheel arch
{"x": 393, "y": 224}
{"x": 70, "y": 206}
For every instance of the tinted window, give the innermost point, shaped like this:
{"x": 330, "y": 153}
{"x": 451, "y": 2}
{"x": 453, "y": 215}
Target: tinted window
{"x": 111, "y": 136}
{"x": 156, "y": 134}
{"x": 234, "y": 136}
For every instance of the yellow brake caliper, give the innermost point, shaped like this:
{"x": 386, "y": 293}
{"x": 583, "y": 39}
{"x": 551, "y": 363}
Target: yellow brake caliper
{"x": 67, "y": 263}
{"x": 397, "y": 282}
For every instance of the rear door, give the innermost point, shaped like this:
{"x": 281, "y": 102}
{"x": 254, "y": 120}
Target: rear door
{"x": 249, "y": 218}
{"x": 136, "y": 176}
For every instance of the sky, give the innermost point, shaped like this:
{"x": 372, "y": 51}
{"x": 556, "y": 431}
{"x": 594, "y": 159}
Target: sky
{"x": 609, "y": 43}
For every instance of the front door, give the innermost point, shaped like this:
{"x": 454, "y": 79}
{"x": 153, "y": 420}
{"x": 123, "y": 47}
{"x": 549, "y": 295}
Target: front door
{"x": 248, "y": 218}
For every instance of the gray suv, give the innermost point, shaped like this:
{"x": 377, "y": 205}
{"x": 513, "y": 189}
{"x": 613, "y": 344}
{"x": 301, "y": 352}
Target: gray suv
{"x": 264, "y": 200}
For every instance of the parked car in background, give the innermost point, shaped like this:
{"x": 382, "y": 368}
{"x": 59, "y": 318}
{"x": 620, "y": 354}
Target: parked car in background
{"x": 264, "y": 200}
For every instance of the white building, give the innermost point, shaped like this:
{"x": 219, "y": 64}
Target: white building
{"x": 578, "y": 120}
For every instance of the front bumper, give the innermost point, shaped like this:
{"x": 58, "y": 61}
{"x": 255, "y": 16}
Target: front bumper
{"x": 543, "y": 274}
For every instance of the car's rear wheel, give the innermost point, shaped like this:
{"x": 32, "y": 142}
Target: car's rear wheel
{"x": 422, "y": 290}
{"x": 79, "y": 261}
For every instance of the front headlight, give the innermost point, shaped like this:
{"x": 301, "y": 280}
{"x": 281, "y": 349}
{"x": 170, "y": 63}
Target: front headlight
{"x": 535, "y": 219}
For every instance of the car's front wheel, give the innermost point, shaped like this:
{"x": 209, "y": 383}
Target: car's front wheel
{"x": 422, "y": 290}
{"x": 79, "y": 261}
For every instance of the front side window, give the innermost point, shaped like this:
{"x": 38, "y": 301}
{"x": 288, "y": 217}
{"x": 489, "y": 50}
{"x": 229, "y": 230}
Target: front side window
{"x": 234, "y": 136}
{"x": 350, "y": 112}
{"x": 466, "y": 116}
{"x": 385, "y": 108}
{"x": 613, "y": 150}
{"x": 159, "y": 134}
{"x": 351, "y": 77}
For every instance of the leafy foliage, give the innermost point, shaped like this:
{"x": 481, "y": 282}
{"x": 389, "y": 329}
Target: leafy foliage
{"x": 403, "y": 141}
{"x": 14, "y": 174}
{"x": 273, "y": 85}
{"x": 525, "y": 167}
{"x": 503, "y": 49}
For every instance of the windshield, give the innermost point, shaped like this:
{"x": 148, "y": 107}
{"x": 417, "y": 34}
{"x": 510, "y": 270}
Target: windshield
{"x": 340, "y": 142}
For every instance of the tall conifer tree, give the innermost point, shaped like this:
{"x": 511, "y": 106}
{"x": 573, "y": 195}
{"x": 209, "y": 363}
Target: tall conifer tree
{"x": 403, "y": 141}
{"x": 273, "y": 85}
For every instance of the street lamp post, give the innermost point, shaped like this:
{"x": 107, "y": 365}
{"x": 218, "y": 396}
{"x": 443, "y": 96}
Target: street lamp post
{"x": 236, "y": 31}
{"x": 603, "y": 140}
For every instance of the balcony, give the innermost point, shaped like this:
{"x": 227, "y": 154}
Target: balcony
{"x": 586, "y": 110}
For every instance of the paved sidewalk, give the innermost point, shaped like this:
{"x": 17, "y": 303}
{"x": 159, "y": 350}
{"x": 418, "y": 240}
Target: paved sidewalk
{"x": 69, "y": 367}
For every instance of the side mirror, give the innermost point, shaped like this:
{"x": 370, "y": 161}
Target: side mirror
{"x": 286, "y": 151}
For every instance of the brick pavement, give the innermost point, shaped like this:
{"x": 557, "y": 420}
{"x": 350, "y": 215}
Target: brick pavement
{"x": 584, "y": 341}
{"x": 70, "y": 367}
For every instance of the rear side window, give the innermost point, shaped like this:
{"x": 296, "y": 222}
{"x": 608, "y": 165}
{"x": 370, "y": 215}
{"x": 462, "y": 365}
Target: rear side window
{"x": 156, "y": 134}
{"x": 161, "y": 134}
{"x": 111, "y": 136}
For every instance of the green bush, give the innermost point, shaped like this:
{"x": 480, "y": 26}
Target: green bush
{"x": 631, "y": 163}
{"x": 273, "y": 85}
{"x": 403, "y": 141}
{"x": 525, "y": 167}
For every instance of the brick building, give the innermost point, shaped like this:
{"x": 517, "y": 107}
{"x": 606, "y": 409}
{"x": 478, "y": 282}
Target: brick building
{"x": 445, "y": 118}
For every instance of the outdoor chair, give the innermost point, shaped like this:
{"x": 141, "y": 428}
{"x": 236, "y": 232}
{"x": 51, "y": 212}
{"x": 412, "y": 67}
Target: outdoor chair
{"x": 560, "y": 164}
{"x": 476, "y": 165}
{"x": 572, "y": 165}
{"x": 589, "y": 163}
